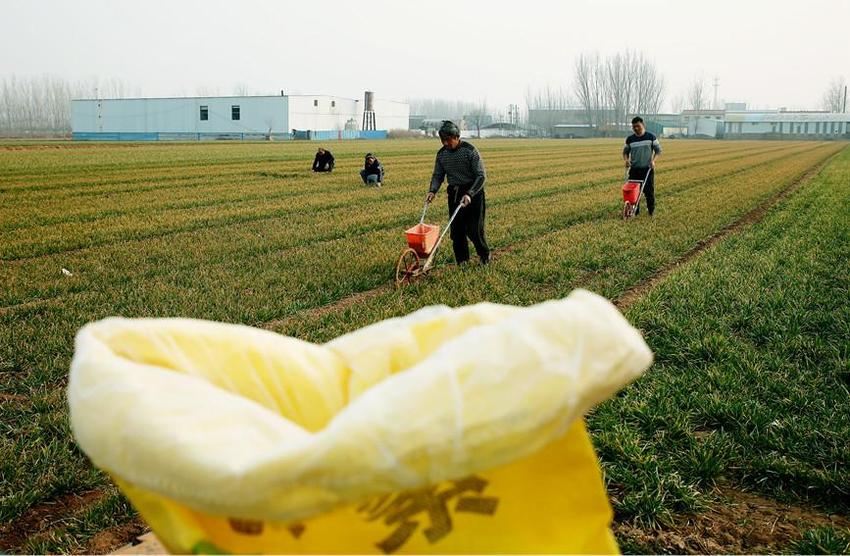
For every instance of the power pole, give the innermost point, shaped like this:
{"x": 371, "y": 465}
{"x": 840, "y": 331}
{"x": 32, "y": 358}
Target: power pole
{"x": 716, "y": 85}
{"x": 99, "y": 109}
{"x": 844, "y": 108}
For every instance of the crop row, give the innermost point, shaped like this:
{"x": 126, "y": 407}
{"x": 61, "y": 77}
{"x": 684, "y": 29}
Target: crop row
{"x": 561, "y": 233}
{"x": 37, "y": 278}
{"x": 40, "y": 240}
{"x": 45, "y": 204}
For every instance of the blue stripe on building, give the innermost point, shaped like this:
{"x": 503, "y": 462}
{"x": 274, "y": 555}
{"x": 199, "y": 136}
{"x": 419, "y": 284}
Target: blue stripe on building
{"x": 319, "y": 135}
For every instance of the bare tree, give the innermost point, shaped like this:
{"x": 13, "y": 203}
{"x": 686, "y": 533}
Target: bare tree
{"x": 241, "y": 90}
{"x": 42, "y": 105}
{"x": 677, "y": 103}
{"x": 589, "y": 86}
{"x": 619, "y": 86}
{"x": 478, "y": 116}
{"x": 438, "y": 108}
{"x": 6, "y": 103}
{"x": 117, "y": 88}
{"x": 550, "y": 101}
{"x": 697, "y": 96}
{"x": 833, "y": 97}
{"x": 612, "y": 89}
{"x": 31, "y": 105}
{"x": 649, "y": 87}
{"x": 206, "y": 91}
{"x": 109, "y": 88}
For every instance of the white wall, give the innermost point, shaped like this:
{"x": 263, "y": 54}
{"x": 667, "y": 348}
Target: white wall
{"x": 390, "y": 114}
{"x": 699, "y": 125}
{"x": 180, "y": 115}
{"x": 331, "y": 113}
{"x": 756, "y": 127}
{"x": 488, "y": 133}
{"x": 303, "y": 114}
{"x": 257, "y": 114}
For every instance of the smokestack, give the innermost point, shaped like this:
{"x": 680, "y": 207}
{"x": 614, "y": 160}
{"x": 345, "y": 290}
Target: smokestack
{"x": 369, "y": 112}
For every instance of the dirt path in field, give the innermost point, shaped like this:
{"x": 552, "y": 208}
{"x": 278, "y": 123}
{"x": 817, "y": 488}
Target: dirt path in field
{"x": 49, "y": 517}
{"x": 353, "y": 299}
{"x": 63, "y": 145}
{"x": 340, "y": 305}
{"x": 43, "y": 517}
{"x": 739, "y": 523}
{"x": 119, "y": 537}
{"x": 752, "y": 217}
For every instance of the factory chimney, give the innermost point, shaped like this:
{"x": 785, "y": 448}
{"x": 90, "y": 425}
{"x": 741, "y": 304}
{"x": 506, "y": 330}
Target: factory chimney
{"x": 369, "y": 112}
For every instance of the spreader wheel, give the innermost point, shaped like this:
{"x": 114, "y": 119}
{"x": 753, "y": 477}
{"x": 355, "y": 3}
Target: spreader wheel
{"x": 407, "y": 269}
{"x": 628, "y": 210}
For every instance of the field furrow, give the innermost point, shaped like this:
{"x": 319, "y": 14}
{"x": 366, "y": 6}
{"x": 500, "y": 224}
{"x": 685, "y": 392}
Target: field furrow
{"x": 245, "y": 233}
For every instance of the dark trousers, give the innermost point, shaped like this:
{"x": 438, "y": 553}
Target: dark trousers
{"x": 370, "y": 178}
{"x": 469, "y": 223}
{"x": 648, "y": 188}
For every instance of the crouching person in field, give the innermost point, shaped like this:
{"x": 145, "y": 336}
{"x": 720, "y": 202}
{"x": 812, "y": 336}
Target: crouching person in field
{"x": 373, "y": 171}
{"x": 461, "y": 163}
{"x": 324, "y": 161}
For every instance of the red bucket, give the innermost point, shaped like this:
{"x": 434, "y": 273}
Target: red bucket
{"x": 631, "y": 189}
{"x": 422, "y": 237}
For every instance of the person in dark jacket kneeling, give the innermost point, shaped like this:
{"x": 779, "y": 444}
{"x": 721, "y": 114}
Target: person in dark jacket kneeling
{"x": 324, "y": 161}
{"x": 373, "y": 171}
{"x": 461, "y": 163}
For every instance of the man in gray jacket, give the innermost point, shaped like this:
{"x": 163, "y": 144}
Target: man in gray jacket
{"x": 639, "y": 154}
{"x": 461, "y": 163}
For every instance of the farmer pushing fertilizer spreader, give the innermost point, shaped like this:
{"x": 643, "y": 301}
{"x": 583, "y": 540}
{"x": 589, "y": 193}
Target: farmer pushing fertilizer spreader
{"x": 639, "y": 154}
{"x": 461, "y": 163}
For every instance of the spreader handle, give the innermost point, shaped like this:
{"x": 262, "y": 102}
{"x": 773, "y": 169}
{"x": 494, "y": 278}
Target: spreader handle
{"x": 424, "y": 210}
{"x": 430, "y": 260}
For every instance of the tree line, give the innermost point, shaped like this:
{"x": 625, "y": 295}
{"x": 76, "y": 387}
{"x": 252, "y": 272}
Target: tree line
{"x": 42, "y": 104}
{"x": 607, "y": 89}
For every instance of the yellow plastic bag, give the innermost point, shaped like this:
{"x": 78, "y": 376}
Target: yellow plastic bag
{"x": 446, "y": 431}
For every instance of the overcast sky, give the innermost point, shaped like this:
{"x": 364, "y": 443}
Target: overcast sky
{"x": 769, "y": 53}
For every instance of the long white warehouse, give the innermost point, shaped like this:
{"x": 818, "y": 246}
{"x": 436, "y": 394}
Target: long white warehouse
{"x": 237, "y": 117}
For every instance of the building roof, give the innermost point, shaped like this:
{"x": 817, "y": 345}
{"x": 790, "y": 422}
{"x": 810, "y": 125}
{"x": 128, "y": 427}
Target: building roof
{"x": 501, "y": 125}
{"x": 235, "y": 96}
{"x": 703, "y": 112}
{"x": 770, "y": 117}
{"x": 190, "y": 97}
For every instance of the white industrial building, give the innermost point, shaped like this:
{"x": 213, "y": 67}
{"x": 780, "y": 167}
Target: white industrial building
{"x": 814, "y": 125}
{"x": 767, "y": 124}
{"x": 236, "y": 117}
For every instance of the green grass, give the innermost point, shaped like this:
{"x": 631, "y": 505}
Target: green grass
{"x": 823, "y": 540}
{"x": 242, "y": 233}
{"x": 752, "y": 371}
{"x": 70, "y": 533}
